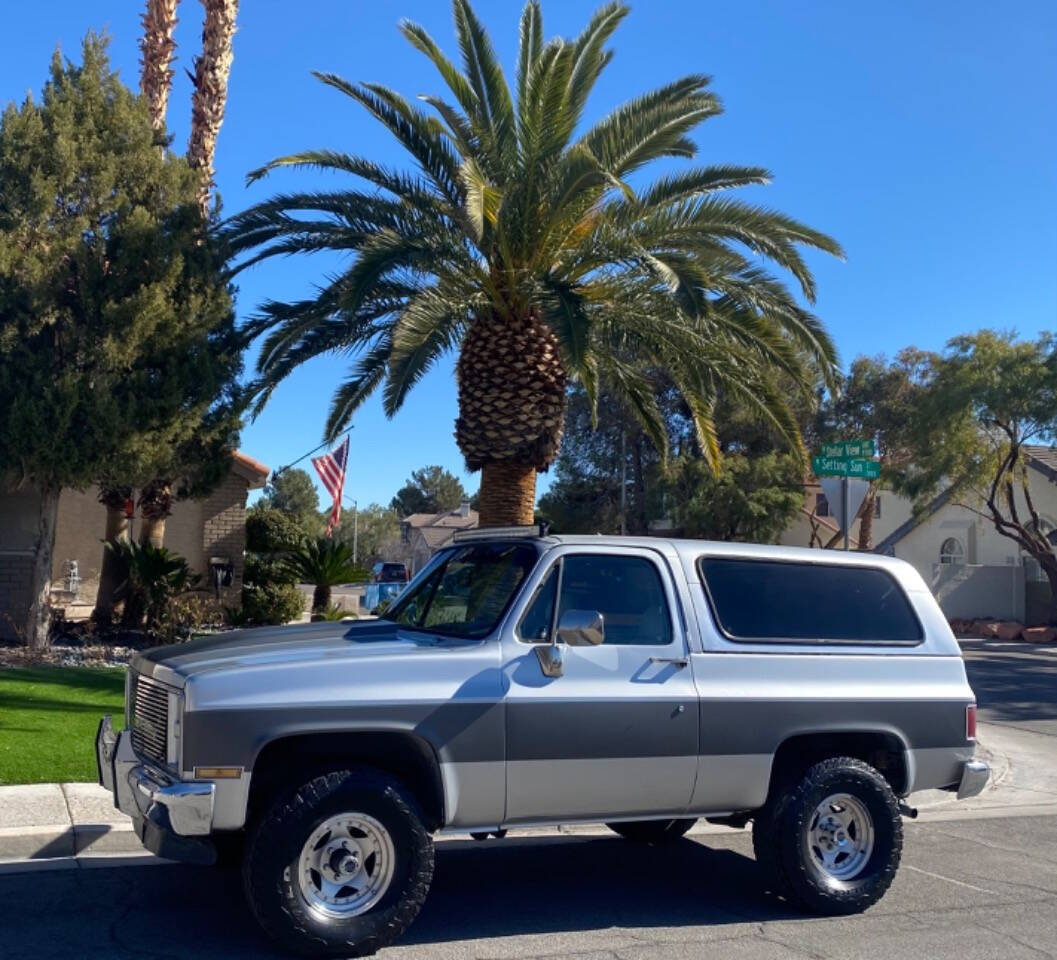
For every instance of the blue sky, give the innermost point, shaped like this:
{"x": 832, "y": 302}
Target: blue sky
{"x": 923, "y": 136}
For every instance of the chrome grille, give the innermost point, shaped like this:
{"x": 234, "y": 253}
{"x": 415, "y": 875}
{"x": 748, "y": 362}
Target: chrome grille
{"x": 149, "y": 718}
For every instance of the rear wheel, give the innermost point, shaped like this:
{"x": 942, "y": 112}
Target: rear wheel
{"x": 341, "y": 866}
{"x": 833, "y": 844}
{"x": 652, "y": 831}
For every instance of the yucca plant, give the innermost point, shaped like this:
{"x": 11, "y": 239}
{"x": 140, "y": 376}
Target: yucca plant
{"x": 520, "y": 241}
{"x": 324, "y": 563}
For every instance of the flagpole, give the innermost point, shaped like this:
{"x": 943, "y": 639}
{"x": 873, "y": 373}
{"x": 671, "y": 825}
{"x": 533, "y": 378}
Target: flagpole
{"x": 294, "y": 463}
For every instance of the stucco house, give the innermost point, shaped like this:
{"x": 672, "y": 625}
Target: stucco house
{"x": 973, "y": 570}
{"x": 423, "y": 534}
{"x": 199, "y": 530}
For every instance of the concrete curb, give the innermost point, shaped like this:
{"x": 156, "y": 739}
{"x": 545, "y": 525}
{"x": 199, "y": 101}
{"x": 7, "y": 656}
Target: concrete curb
{"x": 47, "y": 821}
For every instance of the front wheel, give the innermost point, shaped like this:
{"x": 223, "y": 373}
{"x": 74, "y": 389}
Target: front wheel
{"x": 833, "y": 844}
{"x": 652, "y": 831}
{"x": 340, "y": 866}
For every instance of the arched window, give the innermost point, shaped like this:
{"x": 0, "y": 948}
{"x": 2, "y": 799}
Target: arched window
{"x": 952, "y": 551}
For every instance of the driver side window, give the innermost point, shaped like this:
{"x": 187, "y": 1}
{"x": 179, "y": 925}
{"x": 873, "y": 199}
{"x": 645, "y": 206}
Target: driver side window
{"x": 627, "y": 591}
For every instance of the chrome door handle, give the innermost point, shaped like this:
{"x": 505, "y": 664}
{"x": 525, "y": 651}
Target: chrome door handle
{"x": 674, "y": 661}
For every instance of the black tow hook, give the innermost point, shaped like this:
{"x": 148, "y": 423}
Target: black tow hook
{"x": 908, "y": 811}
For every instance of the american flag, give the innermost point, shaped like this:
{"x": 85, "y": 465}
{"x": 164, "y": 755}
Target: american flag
{"x": 331, "y": 470}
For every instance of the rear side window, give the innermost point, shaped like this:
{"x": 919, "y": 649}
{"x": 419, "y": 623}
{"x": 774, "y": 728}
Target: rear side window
{"x": 773, "y": 601}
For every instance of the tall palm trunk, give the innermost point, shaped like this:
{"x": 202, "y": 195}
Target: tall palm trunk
{"x": 512, "y": 382}
{"x": 212, "y": 69}
{"x": 157, "y": 47}
{"x": 155, "y": 504}
{"x": 111, "y": 573}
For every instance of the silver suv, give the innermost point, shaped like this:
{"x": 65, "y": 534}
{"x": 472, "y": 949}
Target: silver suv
{"x": 527, "y": 679}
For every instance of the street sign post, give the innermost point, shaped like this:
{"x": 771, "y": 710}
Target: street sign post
{"x": 850, "y": 461}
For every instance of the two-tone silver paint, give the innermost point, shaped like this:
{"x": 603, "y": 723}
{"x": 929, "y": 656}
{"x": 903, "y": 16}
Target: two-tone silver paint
{"x": 625, "y": 732}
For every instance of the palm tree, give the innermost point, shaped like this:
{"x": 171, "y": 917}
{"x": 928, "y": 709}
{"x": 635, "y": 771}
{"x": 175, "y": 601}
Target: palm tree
{"x": 157, "y": 47}
{"x": 520, "y": 242}
{"x": 208, "y": 103}
{"x": 209, "y": 100}
{"x": 113, "y": 495}
{"x": 324, "y": 563}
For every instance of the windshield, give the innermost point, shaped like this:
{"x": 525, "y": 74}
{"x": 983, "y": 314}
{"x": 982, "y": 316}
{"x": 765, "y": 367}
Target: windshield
{"x": 468, "y": 591}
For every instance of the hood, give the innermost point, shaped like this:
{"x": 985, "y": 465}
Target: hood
{"x": 259, "y": 646}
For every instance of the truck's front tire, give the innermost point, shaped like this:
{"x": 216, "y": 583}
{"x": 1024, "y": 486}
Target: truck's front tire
{"x": 832, "y": 845}
{"x": 341, "y": 866}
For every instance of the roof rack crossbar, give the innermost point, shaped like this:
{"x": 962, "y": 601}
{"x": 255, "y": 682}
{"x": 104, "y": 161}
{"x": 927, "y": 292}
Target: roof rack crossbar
{"x": 502, "y": 533}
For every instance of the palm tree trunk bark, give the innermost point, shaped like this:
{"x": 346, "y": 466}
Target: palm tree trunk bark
{"x": 508, "y": 494}
{"x": 156, "y": 49}
{"x": 110, "y": 571}
{"x": 37, "y": 622}
{"x": 321, "y": 598}
{"x": 212, "y": 69}
{"x": 155, "y": 501}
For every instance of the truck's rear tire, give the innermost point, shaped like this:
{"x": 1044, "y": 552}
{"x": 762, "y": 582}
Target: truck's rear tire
{"x": 832, "y": 845}
{"x": 341, "y": 866}
{"x": 652, "y": 831}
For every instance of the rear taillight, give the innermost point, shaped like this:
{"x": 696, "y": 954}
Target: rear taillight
{"x": 970, "y": 722}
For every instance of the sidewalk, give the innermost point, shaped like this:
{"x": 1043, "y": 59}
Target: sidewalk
{"x": 52, "y": 825}
{"x": 46, "y": 821}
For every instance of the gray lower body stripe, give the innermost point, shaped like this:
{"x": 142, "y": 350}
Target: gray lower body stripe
{"x": 480, "y": 732}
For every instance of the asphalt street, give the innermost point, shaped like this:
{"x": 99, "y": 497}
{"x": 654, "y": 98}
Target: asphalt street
{"x": 1015, "y": 685}
{"x": 983, "y": 888}
{"x": 966, "y": 890}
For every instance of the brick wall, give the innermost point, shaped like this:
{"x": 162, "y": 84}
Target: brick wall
{"x": 197, "y": 530}
{"x": 224, "y": 529}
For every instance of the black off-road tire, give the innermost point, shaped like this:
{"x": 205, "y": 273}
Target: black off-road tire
{"x": 653, "y": 831}
{"x": 269, "y": 869}
{"x": 780, "y": 831}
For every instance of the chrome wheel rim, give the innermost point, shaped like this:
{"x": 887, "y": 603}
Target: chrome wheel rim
{"x": 346, "y": 865}
{"x": 840, "y": 836}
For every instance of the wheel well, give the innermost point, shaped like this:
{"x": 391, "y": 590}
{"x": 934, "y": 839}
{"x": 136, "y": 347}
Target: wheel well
{"x": 883, "y": 751}
{"x": 287, "y": 762}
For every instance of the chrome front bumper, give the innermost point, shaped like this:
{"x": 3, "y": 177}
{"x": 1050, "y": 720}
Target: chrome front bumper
{"x": 170, "y": 815}
{"x": 975, "y": 774}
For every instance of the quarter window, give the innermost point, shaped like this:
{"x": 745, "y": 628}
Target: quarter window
{"x": 780, "y": 601}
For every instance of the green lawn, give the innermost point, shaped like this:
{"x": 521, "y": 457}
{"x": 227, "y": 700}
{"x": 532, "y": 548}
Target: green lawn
{"x": 48, "y": 720}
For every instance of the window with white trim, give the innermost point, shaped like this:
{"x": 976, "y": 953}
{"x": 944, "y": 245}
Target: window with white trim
{"x": 952, "y": 552}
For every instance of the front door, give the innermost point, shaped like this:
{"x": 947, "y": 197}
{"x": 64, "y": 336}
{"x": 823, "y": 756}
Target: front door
{"x": 616, "y": 734}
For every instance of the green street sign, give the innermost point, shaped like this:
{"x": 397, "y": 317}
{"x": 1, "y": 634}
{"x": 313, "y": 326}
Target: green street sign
{"x": 867, "y": 469}
{"x": 845, "y": 467}
{"x": 850, "y": 448}
{"x": 829, "y": 466}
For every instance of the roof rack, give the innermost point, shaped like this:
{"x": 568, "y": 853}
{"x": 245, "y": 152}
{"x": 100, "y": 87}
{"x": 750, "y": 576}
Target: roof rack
{"x": 502, "y": 533}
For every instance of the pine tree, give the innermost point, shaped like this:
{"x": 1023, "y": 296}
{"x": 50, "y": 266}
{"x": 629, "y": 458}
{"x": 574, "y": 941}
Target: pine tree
{"x": 117, "y": 332}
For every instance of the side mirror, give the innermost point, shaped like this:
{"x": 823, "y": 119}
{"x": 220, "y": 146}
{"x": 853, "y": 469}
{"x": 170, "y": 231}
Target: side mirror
{"x": 582, "y": 628}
